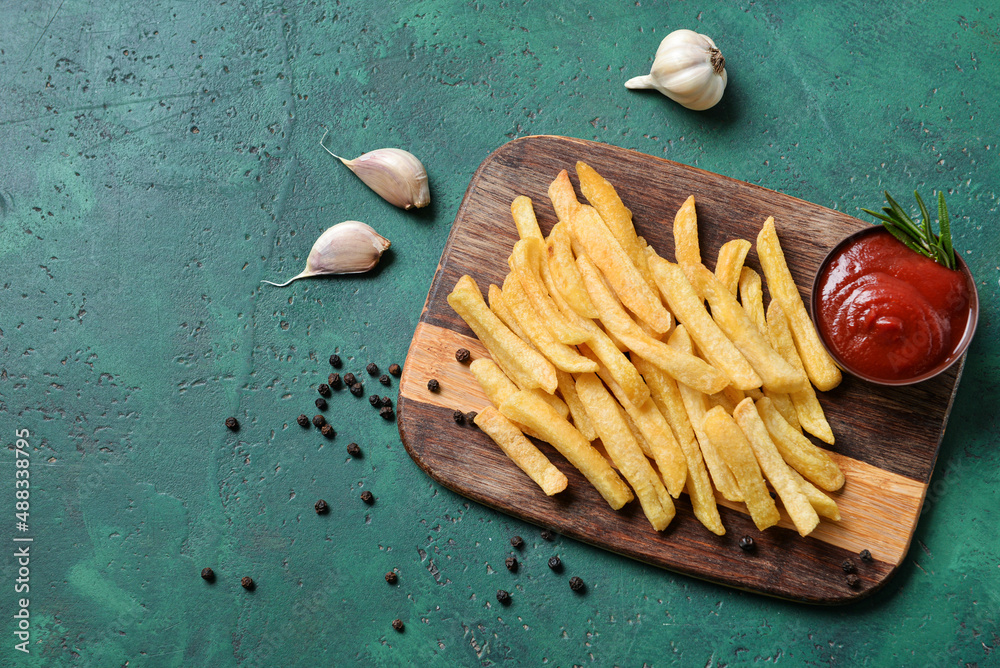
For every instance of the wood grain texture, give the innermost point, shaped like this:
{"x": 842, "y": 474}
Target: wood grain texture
{"x": 887, "y": 438}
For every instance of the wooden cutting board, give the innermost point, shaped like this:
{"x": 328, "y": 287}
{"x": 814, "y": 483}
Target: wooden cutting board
{"x": 886, "y": 438}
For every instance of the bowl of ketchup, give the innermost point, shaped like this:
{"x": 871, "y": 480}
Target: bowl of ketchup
{"x": 890, "y": 315}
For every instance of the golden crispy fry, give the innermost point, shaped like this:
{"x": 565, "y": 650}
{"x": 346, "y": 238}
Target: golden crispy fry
{"x": 807, "y": 408}
{"x": 821, "y": 503}
{"x": 603, "y": 197}
{"x": 567, "y": 388}
{"x": 565, "y": 275}
{"x": 686, "y": 248}
{"x": 798, "y": 451}
{"x": 624, "y": 451}
{"x": 667, "y": 398}
{"x": 498, "y": 388}
{"x": 723, "y": 401}
{"x": 822, "y": 371}
{"x": 752, "y": 298}
{"x": 729, "y": 440}
{"x": 695, "y": 404}
{"x": 524, "y": 218}
{"x": 561, "y": 355}
{"x": 732, "y": 255}
{"x": 803, "y": 515}
{"x": 564, "y": 437}
{"x": 563, "y": 197}
{"x": 783, "y": 402}
{"x": 525, "y": 262}
{"x": 776, "y": 373}
{"x": 528, "y": 368}
{"x": 686, "y": 368}
{"x": 521, "y": 451}
{"x": 689, "y": 308}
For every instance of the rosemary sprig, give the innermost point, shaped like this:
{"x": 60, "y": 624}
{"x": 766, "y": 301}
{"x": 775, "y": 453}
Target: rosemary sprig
{"x": 919, "y": 235}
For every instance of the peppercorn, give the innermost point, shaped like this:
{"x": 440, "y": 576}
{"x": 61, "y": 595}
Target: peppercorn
{"x": 517, "y": 542}
{"x": 433, "y": 385}
{"x": 511, "y": 564}
{"x": 349, "y": 379}
{"x": 576, "y": 584}
{"x": 372, "y": 369}
{"x": 327, "y": 431}
{"x": 503, "y": 597}
{"x": 386, "y": 401}
{"x": 866, "y": 556}
{"x": 398, "y": 625}
{"x": 853, "y": 580}
{"x": 321, "y": 404}
{"x": 322, "y": 507}
{"x": 547, "y": 535}
{"x": 386, "y": 413}
{"x": 395, "y": 370}
{"x": 470, "y": 417}
{"x": 318, "y": 421}
{"x": 232, "y": 423}
{"x": 302, "y": 420}
{"x": 368, "y": 497}
{"x": 353, "y": 450}
{"x": 747, "y": 544}
{"x": 555, "y": 563}
{"x": 375, "y": 401}
{"x": 207, "y": 574}
{"x": 458, "y": 417}
{"x": 384, "y": 379}
{"x": 335, "y": 361}
{"x": 390, "y": 577}
{"x": 462, "y": 355}
{"x": 357, "y": 389}
{"x": 247, "y": 583}
{"x": 334, "y": 380}
{"x": 848, "y": 566}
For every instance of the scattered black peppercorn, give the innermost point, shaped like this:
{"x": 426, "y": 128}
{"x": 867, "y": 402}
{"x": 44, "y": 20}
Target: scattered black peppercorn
{"x": 375, "y": 401}
{"x": 398, "y": 625}
{"x": 232, "y": 423}
{"x": 395, "y": 370}
{"x": 357, "y": 389}
{"x": 853, "y": 580}
{"x": 302, "y": 420}
{"x": 458, "y": 417}
{"x": 368, "y": 497}
{"x": 547, "y": 535}
{"x": 335, "y": 361}
{"x": 555, "y": 563}
{"x": 324, "y": 390}
{"x": 318, "y": 421}
{"x": 503, "y": 597}
{"x": 511, "y": 564}
{"x": 372, "y": 369}
{"x": 349, "y": 379}
{"x": 321, "y": 404}
{"x": 576, "y": 584}
{"x": 470, "y": 417}
{"x": 207, "y": 574}
{"x": 247, "y": 583}
{"x": 353, "y": 450}
{"x": 747, "y": 544}
{"x": 866, "y": 556}
{"x": 433, "y": 385}
{"x": 462, "y": 355}
{"x": 517, "y": 542}
{"x": 386, "y": 412}
{"x": 327, "y": 431}
{"x": 384, "y": 379}
{"x": 334, "y": 380}
{"x": 390, "y": 577}
{"x": 848, "y": 566}
{"x": 322, "y": 507}
{"x": 386, "y": 401}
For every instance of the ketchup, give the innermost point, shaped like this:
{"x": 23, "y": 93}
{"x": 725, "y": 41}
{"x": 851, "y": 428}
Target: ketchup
{"x": 888, "y": 312}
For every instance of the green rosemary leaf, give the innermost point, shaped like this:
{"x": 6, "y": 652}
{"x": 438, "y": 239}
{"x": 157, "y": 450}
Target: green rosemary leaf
{"x": 945, "y": 222}
{"x": 904, "y": 238}
{"x": 919, "y": 237}
{"x": 878, "y": 215}
{"x": 927, "y": 228}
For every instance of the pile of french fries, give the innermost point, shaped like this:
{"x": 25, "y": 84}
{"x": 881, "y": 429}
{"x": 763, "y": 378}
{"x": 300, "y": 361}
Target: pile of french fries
{"x": 607, "y": 351}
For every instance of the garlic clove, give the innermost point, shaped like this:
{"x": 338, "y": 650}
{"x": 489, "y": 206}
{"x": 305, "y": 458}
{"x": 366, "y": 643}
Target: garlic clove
{"x": 396, "y": 175}
{"x": 350, "y": 247}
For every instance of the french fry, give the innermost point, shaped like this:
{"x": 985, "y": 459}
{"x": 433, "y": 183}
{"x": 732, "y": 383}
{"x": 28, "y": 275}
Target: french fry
{"x": 624, "y": 451}
{"x": 532, "y": 412}
{"x": 686, "y": 248}
{"x": 521, "y": 451}
{"x": 565, "y": 275}
{"x": 783, "y": 402}
{"x": 798, "y": 451}
{"x": 695, "y": 405}
{"x": 822, "y": 371}
{"x": 524, "y": 218}
{"x": 525, "y": 262}
{"x": 732, "y": 255}
{"x": 772, "y": 368}
{"x": 807, "y": 407}
{"x": 689, "y": 308}
{"x": 528, "y": 368}
{"x": 498, "y": 388}
{"x": 563, "y": 197}
{"x": 752, "y": 298}
{"x": 686, "y": 368}
{"x": 796, "y": 503}
{"x": 567, "y": 388}
{"x": 729, "y": 440}
{"x": 821, "y": 503}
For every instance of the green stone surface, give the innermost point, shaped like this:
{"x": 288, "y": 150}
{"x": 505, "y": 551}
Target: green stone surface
{"x": 162, "y": 158}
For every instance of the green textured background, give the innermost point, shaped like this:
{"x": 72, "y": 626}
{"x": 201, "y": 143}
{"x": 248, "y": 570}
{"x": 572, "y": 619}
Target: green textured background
{"x": 132, "y": 319}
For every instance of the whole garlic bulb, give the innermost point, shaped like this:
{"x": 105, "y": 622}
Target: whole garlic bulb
{"x": 688, "y": 69}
